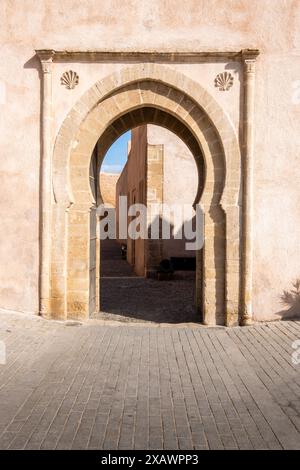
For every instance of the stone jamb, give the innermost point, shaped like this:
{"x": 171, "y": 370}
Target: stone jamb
{"x": 46, "y": 60}
{"x": 249, "y": 63}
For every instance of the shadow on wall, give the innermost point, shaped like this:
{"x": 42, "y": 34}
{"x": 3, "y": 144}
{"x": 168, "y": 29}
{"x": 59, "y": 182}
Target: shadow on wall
{"x": 291, "y": 299}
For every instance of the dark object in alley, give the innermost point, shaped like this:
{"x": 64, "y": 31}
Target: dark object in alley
{"x": 124, "y": 251}
{"x": 165, "y": 270}
{"x": 183, "y": 263}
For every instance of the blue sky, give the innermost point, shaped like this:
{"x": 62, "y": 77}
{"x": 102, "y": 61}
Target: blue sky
{"x": 116, "y": 156}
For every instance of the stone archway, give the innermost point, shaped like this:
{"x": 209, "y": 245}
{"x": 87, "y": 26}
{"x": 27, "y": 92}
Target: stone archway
{"x": 145, "y": 93}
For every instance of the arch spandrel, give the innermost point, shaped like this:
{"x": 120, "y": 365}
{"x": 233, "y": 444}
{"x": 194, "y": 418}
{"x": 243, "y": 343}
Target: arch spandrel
{"x": 156, "y": 73}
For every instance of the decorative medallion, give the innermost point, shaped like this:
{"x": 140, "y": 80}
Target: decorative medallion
{"x": 69, "y": 79}
{"x": 224, "y": 81}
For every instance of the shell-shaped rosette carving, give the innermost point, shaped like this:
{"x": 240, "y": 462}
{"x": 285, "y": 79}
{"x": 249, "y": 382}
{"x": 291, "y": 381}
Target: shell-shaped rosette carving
{"x": 69, "y": 79}
{"x": 224, "y": 81}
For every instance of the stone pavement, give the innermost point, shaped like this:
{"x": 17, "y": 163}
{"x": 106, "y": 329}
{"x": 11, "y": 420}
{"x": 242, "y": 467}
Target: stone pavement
{"x": 108, "y": 385}
{"x": 128, "y": 298}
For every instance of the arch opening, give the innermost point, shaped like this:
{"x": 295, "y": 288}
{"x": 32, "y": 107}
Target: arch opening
{"x": 151, "y": 115}
{"x": 160, "y": 170}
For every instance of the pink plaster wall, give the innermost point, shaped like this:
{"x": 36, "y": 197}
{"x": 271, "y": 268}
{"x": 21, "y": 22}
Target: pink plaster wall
{"x": 270, "y": 25}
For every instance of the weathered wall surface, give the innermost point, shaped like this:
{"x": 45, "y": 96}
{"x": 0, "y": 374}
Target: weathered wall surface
{"x": 132, "y": 183}
{"x": 160, "y": 169}
{"x": 195, "y": 25}
{"x": 121, "y": 190}
{"x": 136, "y": 180}
{"x": 180, "y": 183}
{"x": 108, "y": 183}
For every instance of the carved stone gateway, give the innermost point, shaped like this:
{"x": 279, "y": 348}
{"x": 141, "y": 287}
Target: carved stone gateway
{"x": 147, "y": 87}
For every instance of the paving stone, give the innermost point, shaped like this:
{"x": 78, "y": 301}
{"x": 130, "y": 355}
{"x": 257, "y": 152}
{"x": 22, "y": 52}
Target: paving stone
{"x": 102, "y": 386}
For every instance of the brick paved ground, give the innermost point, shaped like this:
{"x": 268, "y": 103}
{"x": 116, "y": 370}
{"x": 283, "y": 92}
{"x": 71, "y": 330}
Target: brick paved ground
{"x": 128, "y": 298}
{"x": 124, "y": 386}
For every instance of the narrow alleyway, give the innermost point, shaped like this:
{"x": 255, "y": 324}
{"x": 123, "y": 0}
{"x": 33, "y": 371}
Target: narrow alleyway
{"x": 127, "y": 297}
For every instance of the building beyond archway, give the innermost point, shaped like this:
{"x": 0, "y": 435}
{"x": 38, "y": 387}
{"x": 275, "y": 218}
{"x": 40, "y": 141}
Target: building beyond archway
{"x": 160, "y": 172}
{"x": 135, "y": 95}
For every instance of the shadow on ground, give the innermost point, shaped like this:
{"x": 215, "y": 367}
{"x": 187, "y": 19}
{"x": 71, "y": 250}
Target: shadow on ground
{"x": 127, "y": 297}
